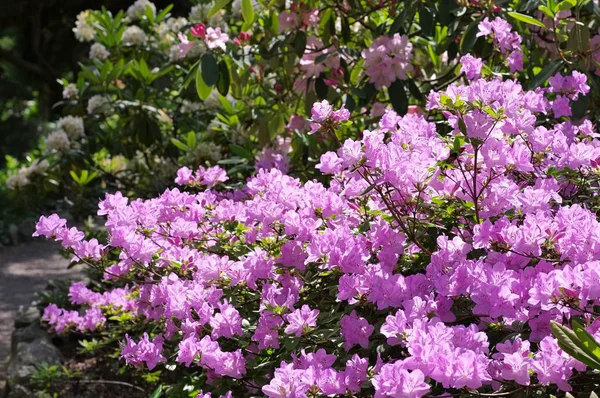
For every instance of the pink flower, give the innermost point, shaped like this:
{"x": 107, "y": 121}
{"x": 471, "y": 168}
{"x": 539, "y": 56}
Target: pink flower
{"x": 340, "y": 115}
{"x": 184, "y": 176}
{"x": 215, "y": 38}
{"x": 471, "y": 66}
{"x": 301, "y": 320}
{"x": 50, "y": 226}
{"x": 355, "y": 330}
{"x": 321, "y": 111}
{"x": 185, "y": 46}
{"x": 287, "y": 20}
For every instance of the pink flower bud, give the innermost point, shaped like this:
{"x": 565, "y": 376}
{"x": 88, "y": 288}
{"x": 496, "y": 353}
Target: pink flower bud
{"x": 198, "y": 30}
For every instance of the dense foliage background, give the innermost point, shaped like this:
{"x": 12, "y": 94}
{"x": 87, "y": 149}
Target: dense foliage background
{"x": 393, "y": 198}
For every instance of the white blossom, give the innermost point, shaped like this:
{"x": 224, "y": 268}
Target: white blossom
{"x": 17, "y": 181}
{"x": 57, "y": 141}
{"x": 98, "y": 52}
{"x": 72, "y": 125}
{"x": 84, "y": 31}
{"x": 139, "y": 8}
{"x": 190, "y": 107}
{"x": 70, "y": 91}
{"x": 134, "y": 36}
{"x": 199, "y": 14}
{"x": 97, "y": 104}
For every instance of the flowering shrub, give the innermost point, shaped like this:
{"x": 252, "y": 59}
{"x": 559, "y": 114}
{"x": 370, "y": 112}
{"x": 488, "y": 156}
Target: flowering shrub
{"x": 432, "y": 262}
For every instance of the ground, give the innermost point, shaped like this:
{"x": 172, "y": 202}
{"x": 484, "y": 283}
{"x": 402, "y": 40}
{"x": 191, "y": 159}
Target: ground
{"x": 25, "y": 270}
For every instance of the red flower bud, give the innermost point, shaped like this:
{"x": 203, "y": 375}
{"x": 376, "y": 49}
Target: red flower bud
{"x": 198, "y": 30}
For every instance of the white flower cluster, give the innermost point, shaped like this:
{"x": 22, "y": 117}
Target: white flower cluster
{"x": 175, "y": 25}
{"x": 98, "y": 104}
{"x": 205, "y": 151}
{"x": 84, "y": 31}
{"x": 139, "y": 8}
{"x": 57, "y": 142}
{"x": 134, "y": 36}
{"x": 190, "y": 107}
{"x": 21, "y": 179}
{"x": 199, "y": 14}
{"x": 71, "y": 125}
{"x": 70, "y": 91}
{"x": 99, "y": 52}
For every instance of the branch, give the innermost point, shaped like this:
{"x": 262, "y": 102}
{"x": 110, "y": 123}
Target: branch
{"x": 21, "y": 63}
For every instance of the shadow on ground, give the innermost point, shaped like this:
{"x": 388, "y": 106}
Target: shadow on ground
{"x": 25, "y": 270}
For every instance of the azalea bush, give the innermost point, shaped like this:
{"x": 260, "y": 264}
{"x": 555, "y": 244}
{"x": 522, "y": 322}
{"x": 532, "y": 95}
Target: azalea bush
{"x": 432, "y": 262}
{"x": 233, "y": 83}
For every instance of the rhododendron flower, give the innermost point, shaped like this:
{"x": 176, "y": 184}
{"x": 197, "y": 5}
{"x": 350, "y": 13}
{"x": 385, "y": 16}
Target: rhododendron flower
{"x": 185, "y": 46}
{"x": 301, "y": 320}
{"x": 287, "y": 20}
{"x": 321, "y": 111}
{"x": 471, "y": 66}
{"x": 355, "y": 330}
{"x": 215, "y": 38}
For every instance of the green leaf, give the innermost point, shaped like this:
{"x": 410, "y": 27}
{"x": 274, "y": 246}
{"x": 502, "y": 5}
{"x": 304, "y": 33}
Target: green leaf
{"x": 321, "y": 88}
{"x": 570, "y": 343}
{"x": 180, "y": 145}
{"x": 240, "y": 151}
{"x": 426, "y": 21}
{"x": 190, "y": 139}
{"x": 300, "y": 43}
{"x": 157, "y": 393}
{"x": 549, "y": 13}
{"x": 74, "y": 176}
{"x": 543, "y": 75}
{"x": 219, "y": 4}
{"x": 527, "y": 19}
{"x": 210, "y": 69}
{"x": 565, "y": 5}
{"x": 398, "y": 97}
{"x": 469, "y": 37}
{"x": 247, "y": 11}
{"x": 414, "y": 90}
{"x": 586, "y": 338}
{"x": 579, "y": 38}
{"x": 224, "y": 78}
{"x": 201, "y": 87}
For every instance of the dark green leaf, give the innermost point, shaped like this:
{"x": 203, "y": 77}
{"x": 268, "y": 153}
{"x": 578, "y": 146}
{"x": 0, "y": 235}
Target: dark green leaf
{"x": 321, "y": 88}
{"x": 414, "y": 90}
{"x": 469, "y": 37}
{"x": 240, "y": 151}
{"x": 300, "y": 43}
{"x": 580, "y": 107}
{"x": 398, "y": 97}
{"x": 426, "y": 21}
{"x": 224, "y": 78}
{"x": 210, "y": 69}
{"x": 543, "y": 75}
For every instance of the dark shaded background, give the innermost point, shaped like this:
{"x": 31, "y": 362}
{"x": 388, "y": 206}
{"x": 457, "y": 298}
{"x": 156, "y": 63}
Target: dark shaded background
{"x": 37, "y": 47}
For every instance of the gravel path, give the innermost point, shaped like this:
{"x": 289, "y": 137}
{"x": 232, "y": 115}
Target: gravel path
{"x": 25, "y": 270}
